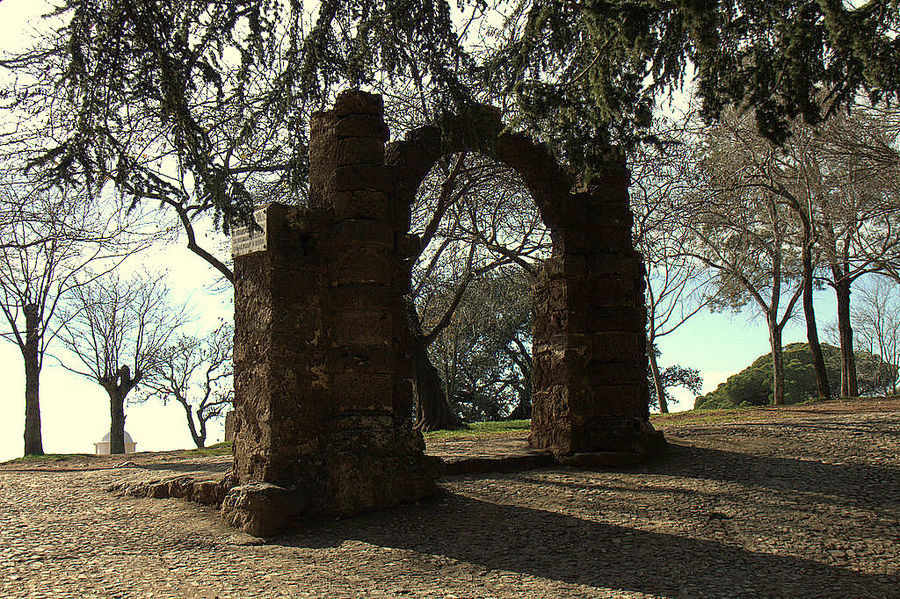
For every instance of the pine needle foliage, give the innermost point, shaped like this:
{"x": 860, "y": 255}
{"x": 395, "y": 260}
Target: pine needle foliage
{"x": 223, "y": 90}
{"x": 594, "y": 71}
{"x": 209, "y": 102}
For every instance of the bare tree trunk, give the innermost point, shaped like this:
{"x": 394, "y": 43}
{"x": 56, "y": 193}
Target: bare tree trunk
{"x": 849, "y": 383}
{"x": 777, "y": 364}
{"x": 33, "y": 441}
{"x": 118, "y": 390}
{"x": 117, "y": 421}
{"x": 199, "y": 437}
{"x": 432, "y": 409}
{"x": 522, "y": 410}
{"x": 658, "y": 383}
{"x": 812, "y": 333}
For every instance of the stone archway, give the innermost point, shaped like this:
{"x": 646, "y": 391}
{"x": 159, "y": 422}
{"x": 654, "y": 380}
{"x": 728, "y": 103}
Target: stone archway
{"x": 322, "y": 370}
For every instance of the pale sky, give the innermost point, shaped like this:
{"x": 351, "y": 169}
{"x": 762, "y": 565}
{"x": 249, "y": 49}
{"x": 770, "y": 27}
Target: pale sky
{"x": 75, "y": 412}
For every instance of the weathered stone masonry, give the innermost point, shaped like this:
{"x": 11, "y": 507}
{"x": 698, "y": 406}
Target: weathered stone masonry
{"x": 322, "y": 375}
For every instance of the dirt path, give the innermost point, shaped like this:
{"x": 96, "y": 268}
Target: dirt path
{"x": 799, "y": 502}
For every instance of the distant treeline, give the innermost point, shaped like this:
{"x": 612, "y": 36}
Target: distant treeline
{"x": 753, "y": 385}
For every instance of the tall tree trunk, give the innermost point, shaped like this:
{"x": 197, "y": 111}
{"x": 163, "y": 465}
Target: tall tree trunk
{"x": 118, "y": 389}
{"x": 525, "y": 362}
{"x": 849, "y": 384}
{"x": 812, "y": 332}
{"x": 658, "y": 382}
{"x": 199, "y": 437}
{"x": 33, "y": 440}
{"x": 432, "y": 408}
{"x": 522, "y": 411}
{"x": 117, "y": 421}
{"x": 777, "y": 363}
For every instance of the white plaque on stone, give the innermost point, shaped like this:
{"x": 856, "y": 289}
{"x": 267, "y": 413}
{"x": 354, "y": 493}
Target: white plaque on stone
{"x": 247, "y": 241}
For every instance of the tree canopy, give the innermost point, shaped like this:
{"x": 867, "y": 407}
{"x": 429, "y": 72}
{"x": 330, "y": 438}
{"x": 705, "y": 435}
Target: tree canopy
{"x": 206, "y": 103}
{"x": 605, "y": 63}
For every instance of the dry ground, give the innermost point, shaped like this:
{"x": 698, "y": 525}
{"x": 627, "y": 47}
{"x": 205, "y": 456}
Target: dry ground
{"x": 792, "y": 502}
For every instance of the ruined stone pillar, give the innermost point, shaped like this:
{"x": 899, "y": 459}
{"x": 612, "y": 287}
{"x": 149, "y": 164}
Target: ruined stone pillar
{"x": 322, "y": 395}
{"x": 590, "y": 384}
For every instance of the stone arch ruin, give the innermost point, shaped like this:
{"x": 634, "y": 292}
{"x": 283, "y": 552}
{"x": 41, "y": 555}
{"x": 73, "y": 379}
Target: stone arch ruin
{"x": 322, "y": 372}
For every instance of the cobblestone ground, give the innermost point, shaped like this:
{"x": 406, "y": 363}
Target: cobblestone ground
{"x": 801, "y": 503}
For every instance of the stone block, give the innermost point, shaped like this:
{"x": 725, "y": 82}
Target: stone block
{"x": 611, "y": 346}
{"x": 372, "y": 433}
{"x": 611, "y": 318}
{"x": 604, "y": 237}
{"x": 360, "y": 265}
{"x": 357, "y": 358}
{"x": 229, "y": 425}
{"x": 428, "y": 137}
{"x": 363, "y": 391}
{"x": 626, "y": 265}
{"x": 552, "y": 293}
{"x": 361, "y": 204}
{"x": 158, "y": 490}
{"x": 356, "y": 232}
{"x": 361, "y": 125}
{"x": 409, "y": 245}
{"x": 553, "y": 268}
{"x": 358, "y": 150}
{"x": 207, "y": 492}
{"x": 360, "y": 482}
{"x": 323, "y": 390}
{"x": 362, "y": 328}
{"x": 298, "y": 323}
{"x": 607, "y": 212}
{"x": 615, "y": 373}
{"x": 362, "y": 296}
{"x": 547, "y": 322}
{"x": 551, "y": 426}
{"x": 594, "y": 400}
{"x": 359, "y": 177}
{"x": 550, "y": 369}
{"x": 262, "y": 509}
{"x": 354, "y": 101}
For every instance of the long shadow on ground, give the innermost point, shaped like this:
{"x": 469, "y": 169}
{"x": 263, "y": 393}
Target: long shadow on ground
{"x": 574, "y": 550}
{"x": 859, "y": 485}
{"x": 883, "y": 428}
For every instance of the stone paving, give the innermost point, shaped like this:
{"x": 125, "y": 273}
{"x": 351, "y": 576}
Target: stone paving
{"x": 800, "y": 502}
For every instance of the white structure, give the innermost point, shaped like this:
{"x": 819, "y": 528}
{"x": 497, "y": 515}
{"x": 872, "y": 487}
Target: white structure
{"x": 102, "y": 448}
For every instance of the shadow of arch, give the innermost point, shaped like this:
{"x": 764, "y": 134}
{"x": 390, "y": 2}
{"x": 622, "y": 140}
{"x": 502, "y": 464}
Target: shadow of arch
{"x": 579, "y": 551}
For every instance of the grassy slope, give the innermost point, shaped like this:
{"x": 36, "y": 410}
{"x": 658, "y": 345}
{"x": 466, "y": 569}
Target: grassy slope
{"x": 49, "y": 457}
{"x": 481, "y": 429}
